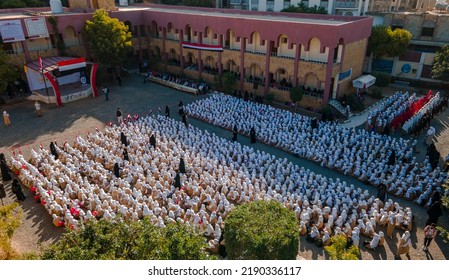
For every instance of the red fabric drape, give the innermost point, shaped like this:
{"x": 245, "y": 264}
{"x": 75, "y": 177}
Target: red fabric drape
{"x": 416, "y": 106}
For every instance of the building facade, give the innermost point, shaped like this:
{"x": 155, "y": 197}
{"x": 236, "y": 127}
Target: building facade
{"x": 333, "y": 7}
{"x": 267, "y": 52}
{"x": 430, "y": 31}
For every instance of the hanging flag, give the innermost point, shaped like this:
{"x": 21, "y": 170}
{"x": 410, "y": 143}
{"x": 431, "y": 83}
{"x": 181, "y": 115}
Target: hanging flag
{"x": 203, "y": 47}
{"x": 72, "y": 64}
{"x": 41, "y": 64}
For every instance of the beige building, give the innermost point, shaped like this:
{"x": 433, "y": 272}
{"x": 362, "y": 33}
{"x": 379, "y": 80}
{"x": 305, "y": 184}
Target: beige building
{"x": 419, "y": 6}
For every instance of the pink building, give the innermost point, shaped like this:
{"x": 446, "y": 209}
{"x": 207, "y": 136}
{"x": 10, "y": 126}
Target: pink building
{"x": 268, "y": 52}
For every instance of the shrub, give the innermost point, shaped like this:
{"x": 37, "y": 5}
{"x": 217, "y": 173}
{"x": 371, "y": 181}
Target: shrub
{"x": 382, "y": 79}
{"x": 376, "y": 93}
{"x": 269, "y": 97}
{"x": 261, "y": 230}
{"x": 339, "y": 251}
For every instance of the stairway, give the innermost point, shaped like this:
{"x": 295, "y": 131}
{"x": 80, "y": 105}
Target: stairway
{"x": 337, "y": 105}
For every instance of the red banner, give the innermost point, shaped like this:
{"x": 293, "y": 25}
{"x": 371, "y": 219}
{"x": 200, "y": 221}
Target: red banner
{"x": 414, "y": 108}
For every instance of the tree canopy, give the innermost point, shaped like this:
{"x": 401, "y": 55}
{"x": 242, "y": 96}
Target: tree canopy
{"x": 120, "y": 240}
{"x": 339, "y": 251}
{"x": 5, "y": 4}
{"x": 10, "y": 220}
{"x": 296, "y": 93}
{"x": 386, "y": 42}
{"x": 440, "y": 67}
{"x": 261, "y": 230}
{"x": 7, "y": 72}
{"x": 194, "y": 3}
{"x": 302, "y": 8}
{"x": 108, "y": 38}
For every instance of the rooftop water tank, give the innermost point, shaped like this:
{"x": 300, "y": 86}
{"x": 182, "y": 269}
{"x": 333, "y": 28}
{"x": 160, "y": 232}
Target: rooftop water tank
{"x": 56, "y": 6}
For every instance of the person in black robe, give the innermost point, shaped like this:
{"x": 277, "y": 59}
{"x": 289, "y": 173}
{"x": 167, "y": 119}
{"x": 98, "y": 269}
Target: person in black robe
{"x": 252, "y": 134}
{"x": 382, "y": 192}
{"x": 116, "y": 170}
{"x": 17, "y": 190}
{"x": 167, "y": 111}
{"x": 125, "y": 155}
{"x": 123, "y": 139}
{"x": 182, "y": 166}
{"x": 53, "y": 150}
{"x": 392, "y": 158}
{"x": 234, "y": 133}
{"x": 4, "y": 168}
{"x": 434, "y": 212}
{"x": 153, "y": 141}
{"x": 180, "y": 108}
{"x": 177, "y": 182}
{"x": 184, "y": 119}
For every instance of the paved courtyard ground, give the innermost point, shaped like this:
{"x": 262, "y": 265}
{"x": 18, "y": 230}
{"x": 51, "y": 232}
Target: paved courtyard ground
{"x": 133, "y": 97}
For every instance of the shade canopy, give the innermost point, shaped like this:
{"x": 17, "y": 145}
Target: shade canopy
{"x": 364, "y": 81}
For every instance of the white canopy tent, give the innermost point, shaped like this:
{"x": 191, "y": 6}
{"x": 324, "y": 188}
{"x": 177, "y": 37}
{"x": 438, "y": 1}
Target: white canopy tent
{"x": 364, "y": 82}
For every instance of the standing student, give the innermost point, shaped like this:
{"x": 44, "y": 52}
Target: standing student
{"x": 4, "y": 168}
{"x": 184, "y": 119}
{"x": 404, "y": 244}
{"x": 6, "y": 119}
{"x": 430, "y": 232}
{"x": 119, "y": 115}
{"x": 17, "y": 190}
{"x": 234, "y": 133}
{"x": 106, "y": 93}
{"x": 253, "y": 135}
{"x": 167, "y": 111}
{"x": 119, "y": 80}
{"x": 180, "y": 108}
{"x": 434, "y": 212}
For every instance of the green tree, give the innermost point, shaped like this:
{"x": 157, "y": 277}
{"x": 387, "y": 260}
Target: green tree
{"x": 338, "y": 250}
{"x": 8, "y": 73}
{"x": 108, "y": 38}
{"x": 302, "y": 8}
{"x": 261, "y": 230}
{"x": 119, "y": 240}
{"x": 228, "y": 81}
{"x": 385, "y": 42}
{"x": 440, "y": 67}
{"x": 296, "y": 94}
{"x": 26, "y": 3}
{"x": 10, "y": 220}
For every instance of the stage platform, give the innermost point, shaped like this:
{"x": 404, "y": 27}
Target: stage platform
{"x": 69, "y": 93}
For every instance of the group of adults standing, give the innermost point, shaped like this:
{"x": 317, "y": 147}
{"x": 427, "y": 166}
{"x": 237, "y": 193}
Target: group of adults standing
{"x": 16, "y": 188}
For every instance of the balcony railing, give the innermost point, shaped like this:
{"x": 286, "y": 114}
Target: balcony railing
{"x": 14, "y": 51}
{"x": 347, "y": 4}
{"x": 274, "y": 54}
{"x": 313, "y": 61}
{"x": 255, "y": 52}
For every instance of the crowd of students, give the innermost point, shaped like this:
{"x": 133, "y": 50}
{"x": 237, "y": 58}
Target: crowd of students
{"x": 158, "y": 168}
{"x": 371, "y": 157}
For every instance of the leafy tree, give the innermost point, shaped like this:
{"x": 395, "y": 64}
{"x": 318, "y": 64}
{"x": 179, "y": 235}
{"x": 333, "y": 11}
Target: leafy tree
{"x": 296, "y": 93}
{"x": 338, "y": 250}
{"x": 385, "y": 42}
{"x": 194, "y": 3}
{"x": 440, "y": 67}
{"x": 8, "y": 73}
{"x": 302, "y": 8}
{"x": 27, "y": 3}
{"x": 228, "y": 81}
{"x": 261, "y": 230}
{"x": 120, "y": 240}
{"x": 108, "y": 38}
{"x": 10, "y": 219}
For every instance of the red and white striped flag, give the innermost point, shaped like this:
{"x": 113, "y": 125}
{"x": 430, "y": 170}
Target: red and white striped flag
{"x": 39, "y": 60}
